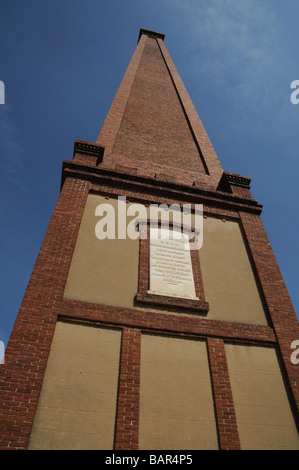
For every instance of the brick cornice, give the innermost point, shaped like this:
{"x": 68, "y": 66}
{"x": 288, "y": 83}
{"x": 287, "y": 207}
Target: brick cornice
{"x": 151, "y": 34}
{"x": 146, "y": 185}
{"x": 237, "y": 180}
{"x": 82, "y": 147}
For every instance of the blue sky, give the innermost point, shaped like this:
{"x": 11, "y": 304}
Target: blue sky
{"x": 62, "y": 62}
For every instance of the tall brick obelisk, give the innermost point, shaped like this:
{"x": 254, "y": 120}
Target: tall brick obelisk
{"x": 131, "y": 343}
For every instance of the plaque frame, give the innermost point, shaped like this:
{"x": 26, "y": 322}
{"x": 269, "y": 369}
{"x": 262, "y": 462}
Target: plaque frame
{"x": 144, "y": 297}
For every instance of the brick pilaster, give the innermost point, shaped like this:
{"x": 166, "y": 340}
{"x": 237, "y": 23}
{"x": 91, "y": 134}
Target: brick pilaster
{"x": 224, "y": 406}
{"x": 127, "y": 413}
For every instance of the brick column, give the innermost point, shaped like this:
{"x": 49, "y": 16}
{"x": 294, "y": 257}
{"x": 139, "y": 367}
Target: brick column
{"x": 127, "y": 413}
{"x": 224, "y": 406}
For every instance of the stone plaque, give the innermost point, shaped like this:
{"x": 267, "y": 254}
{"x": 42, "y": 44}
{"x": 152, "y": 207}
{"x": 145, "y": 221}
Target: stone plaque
{"x": 170, "y": 264}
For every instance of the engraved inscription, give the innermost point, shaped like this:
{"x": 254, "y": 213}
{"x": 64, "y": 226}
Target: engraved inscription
{"x": 170, "y": 264}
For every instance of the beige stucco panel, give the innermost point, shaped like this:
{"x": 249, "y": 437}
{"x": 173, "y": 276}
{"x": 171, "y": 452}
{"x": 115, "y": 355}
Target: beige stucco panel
{"x": 176, "y": 405}
{"x": 76, "y": 409}
{"x": 229, "y": 283}
{"x": 106, "y": 271}
{"x": 102, "y": 271}
{"x": 265, "y": 420}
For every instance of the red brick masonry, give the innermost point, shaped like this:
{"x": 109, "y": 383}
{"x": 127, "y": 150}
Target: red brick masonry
{"x": 224, "y": 406}
{"x": 43, "y": 305}
{"x": 127, "y": 413}
{"x": 96, "y": 169}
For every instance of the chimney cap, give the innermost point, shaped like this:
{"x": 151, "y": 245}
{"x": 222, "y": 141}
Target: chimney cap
{"x": 152, "y": 34}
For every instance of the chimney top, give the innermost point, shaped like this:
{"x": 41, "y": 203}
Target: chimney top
{"x": 152, "y": 34}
